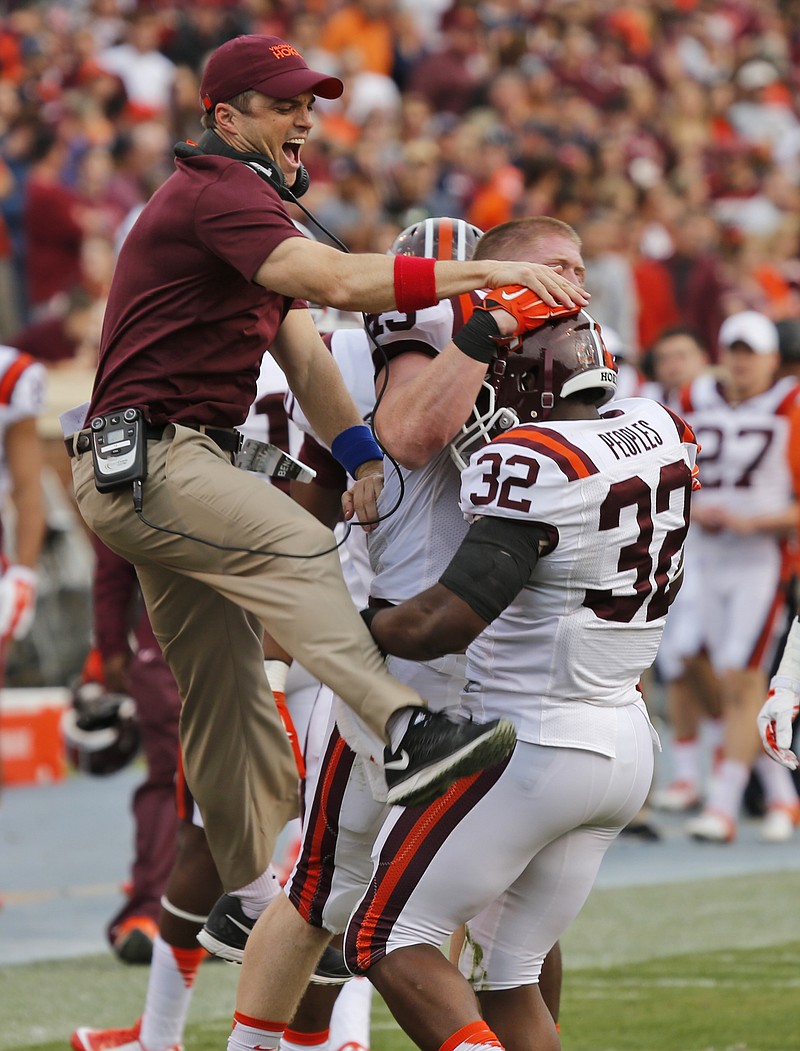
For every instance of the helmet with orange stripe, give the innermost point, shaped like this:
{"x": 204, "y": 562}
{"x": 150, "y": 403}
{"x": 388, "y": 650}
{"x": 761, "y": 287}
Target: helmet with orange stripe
{"x": 441, "y": 238}
{"x": 561, "y": 357}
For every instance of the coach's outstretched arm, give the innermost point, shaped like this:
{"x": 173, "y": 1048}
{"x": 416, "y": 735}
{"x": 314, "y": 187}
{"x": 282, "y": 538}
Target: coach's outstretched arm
{"x": 374, "y": 283}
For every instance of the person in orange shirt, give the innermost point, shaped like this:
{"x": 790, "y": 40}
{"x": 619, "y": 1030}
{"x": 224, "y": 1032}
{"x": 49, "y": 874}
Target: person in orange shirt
{"x": 501, "y": 182}
{"x": 365, "y": 26}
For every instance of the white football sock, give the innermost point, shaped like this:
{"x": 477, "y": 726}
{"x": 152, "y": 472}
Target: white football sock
{"x": 251, "y": 1033}
{"x": 257, "y": 895}
{"x": 169, "y": 993}
{"x": 727, "y": 788}
{"x": 351, "y": 1013}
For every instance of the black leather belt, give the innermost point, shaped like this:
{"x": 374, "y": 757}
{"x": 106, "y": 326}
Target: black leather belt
{"x": 227, "y": 438}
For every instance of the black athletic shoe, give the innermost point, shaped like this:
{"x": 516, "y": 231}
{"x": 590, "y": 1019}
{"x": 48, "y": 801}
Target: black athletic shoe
{"x": 226, "y": 930}
{"x": 643, "y": 831}
{"x": 331, "y": 969}
{"x": 133, "y": 939}
{"x": 436, "y": 751}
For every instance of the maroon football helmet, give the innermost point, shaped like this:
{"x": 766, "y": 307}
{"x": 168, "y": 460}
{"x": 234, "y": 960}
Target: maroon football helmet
{"x": 101, "y": 729}
{"x": 561, "y": 357}
{"x": 441, "y": 238}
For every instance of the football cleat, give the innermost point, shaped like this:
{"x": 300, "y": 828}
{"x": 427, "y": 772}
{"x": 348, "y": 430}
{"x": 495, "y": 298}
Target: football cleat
{"x": 226, "y": 930}
{"x": 331, "y": 969}
{"x": 86, "y": 1039}
{"x": 779, "y": 824}
{"x": 435, "y": 751}
{"x": 676, "y": 797}
{"x": 641, "y": 830}
{"x": 712, "y": 827}
{"x": 132, "y": 941}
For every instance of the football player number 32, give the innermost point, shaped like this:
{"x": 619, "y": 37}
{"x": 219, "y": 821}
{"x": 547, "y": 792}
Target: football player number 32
{"x": 649, "y": 555}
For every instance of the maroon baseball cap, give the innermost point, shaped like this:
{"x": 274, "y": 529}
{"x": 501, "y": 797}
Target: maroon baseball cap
{"x": 261, "y": 63}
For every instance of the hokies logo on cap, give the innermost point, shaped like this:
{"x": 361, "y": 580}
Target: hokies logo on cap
{"x": 284, "y": 51}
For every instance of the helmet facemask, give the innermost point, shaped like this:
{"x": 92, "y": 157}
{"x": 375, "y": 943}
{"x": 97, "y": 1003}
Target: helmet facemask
{"x": 562, "y": 357}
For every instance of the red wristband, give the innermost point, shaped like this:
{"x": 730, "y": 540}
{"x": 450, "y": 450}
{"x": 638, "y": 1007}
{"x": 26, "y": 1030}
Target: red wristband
{"x": 414, "y": 283}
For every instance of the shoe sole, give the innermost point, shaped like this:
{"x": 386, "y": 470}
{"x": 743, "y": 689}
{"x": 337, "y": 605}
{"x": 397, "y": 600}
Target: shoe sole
{"x": 221, "y": 950}
{"x": 704, "y": 836}
{"x": 674, "y": 806}
{"x": 433, "y": 781}
{"x": 328, "y": 980}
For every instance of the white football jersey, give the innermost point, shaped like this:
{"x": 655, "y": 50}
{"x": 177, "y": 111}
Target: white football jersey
{"x": 413, "y": 546}
{"x": 22, "y": 395}
{"x": 613, "y": 496}
{"x": 267, "y": 420}
{"x": 743, "y": 448}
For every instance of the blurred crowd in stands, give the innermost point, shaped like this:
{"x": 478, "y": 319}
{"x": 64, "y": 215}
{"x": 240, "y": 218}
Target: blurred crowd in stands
{"x": 667, "y": 132}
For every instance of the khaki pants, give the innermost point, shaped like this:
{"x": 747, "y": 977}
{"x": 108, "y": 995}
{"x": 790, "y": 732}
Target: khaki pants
{"x": 207, "y": 607}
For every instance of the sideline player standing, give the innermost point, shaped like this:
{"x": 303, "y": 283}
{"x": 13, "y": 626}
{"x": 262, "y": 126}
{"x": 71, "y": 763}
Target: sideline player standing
{"x": 208, "y": 277}
{"x": 745, "y": 426}
{"x": 677, "y": 359}
{"x": 22, "y": 387}
{"x": 560, "y": 590}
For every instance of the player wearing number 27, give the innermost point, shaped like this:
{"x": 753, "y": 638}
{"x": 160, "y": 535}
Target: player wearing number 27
{"x": 560, "y": 590}
{"x": 748, "y": 427}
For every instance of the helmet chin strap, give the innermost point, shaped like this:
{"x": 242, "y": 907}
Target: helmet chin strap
{"x": 547, "y": 398}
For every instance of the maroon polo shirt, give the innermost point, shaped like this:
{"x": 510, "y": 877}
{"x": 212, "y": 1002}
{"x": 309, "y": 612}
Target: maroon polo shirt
{"x": 186, "y": 326}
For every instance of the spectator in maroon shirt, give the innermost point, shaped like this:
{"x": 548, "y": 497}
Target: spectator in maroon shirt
{"x": 59, "y": 338}
{"x": 52, "y": 223}
{"x": 448, "y": 77}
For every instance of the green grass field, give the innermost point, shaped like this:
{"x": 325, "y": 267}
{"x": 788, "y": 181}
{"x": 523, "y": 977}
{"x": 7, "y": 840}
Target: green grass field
{"x": 702, "y": 966}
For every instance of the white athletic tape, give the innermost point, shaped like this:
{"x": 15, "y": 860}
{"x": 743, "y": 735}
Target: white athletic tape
{"x": 190, "y": 916}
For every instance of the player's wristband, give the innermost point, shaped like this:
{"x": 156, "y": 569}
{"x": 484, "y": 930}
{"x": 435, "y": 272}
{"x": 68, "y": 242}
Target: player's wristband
{"x": 355, "y": 446}
{"x": 368, "y": 615}
{"x": 477, "y": 338}
{"x": 414, "y": 283}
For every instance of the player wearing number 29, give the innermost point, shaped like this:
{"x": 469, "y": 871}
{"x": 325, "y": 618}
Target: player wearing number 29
{"x": 579, "y": 510}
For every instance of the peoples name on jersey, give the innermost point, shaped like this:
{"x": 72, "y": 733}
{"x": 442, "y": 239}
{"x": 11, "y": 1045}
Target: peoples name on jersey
{"x": 637, "y": 437}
